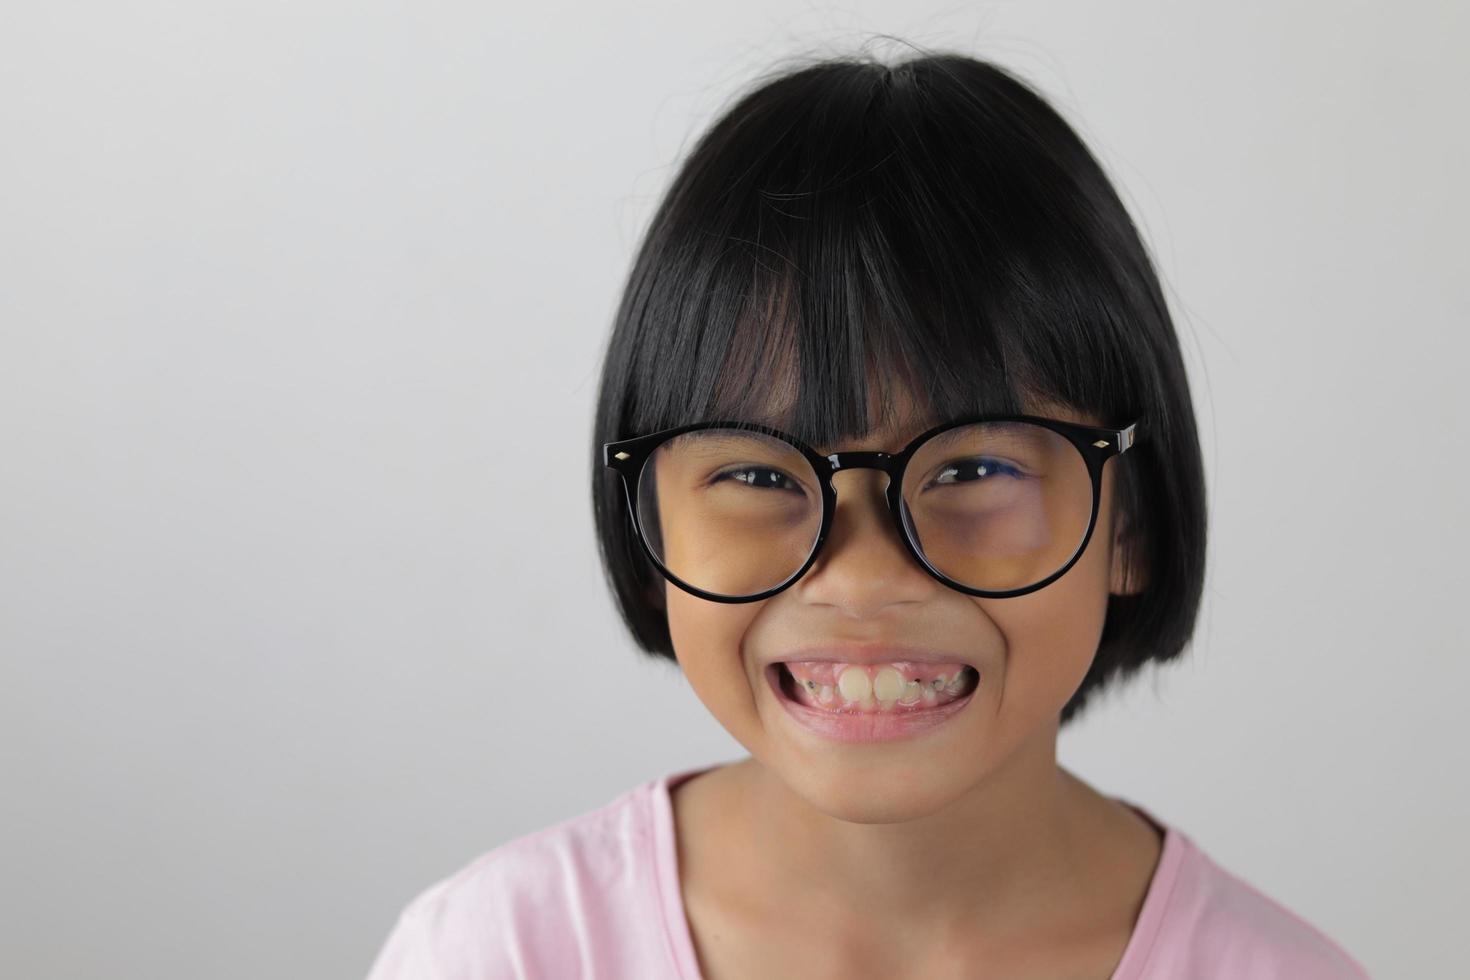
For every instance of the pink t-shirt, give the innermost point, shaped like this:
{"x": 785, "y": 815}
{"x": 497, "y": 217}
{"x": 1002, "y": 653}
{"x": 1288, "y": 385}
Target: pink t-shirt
{"x": 597, "y": 896}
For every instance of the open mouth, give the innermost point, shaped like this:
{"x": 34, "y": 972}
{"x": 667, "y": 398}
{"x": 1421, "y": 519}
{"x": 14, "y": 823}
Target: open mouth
{"x": 841, "y": 689}
{"x": 880, "y": 704}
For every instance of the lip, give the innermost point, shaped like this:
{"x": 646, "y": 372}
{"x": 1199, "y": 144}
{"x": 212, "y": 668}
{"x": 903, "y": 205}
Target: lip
{"x": 868, "y": 654}
{"x": 866, "y": 727}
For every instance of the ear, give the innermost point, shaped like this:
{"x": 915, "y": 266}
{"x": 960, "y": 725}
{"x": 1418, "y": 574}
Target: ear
{"x": 1127, "y": 576}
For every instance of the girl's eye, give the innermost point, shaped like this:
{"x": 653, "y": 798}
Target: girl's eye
{"x": 759, "y": 476}
{"x": 974, "y": 470}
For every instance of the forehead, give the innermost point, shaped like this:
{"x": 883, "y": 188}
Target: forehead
{"x": 896, "y": 424}
{"x": 768, "y": 388}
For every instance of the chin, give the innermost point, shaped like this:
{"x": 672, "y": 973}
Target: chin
{"x": 880, "y": 797}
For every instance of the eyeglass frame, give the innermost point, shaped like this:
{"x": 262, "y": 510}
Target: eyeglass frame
{"x": 1097, "y": 444}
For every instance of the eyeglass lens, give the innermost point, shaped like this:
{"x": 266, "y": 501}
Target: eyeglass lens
{"x": 993, "y": 506}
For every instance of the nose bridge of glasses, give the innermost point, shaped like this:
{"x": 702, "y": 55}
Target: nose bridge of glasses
{"x": 884, "y": 463}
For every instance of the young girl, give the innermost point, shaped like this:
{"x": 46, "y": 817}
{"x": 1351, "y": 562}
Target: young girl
{"x": 895, "y": 457}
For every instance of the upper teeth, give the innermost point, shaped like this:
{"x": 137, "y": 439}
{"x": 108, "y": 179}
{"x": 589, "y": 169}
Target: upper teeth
{"x": 885, "y": 688}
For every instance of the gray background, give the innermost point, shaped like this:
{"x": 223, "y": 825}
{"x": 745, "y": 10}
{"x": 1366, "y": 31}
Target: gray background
{"x": 301, "y": 307}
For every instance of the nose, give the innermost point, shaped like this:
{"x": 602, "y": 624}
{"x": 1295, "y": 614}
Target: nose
{"x": 864, "y": 490}
{"x": 864, "y": 563}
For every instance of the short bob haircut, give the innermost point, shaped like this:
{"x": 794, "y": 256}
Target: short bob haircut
{"x": 932, "y": 223}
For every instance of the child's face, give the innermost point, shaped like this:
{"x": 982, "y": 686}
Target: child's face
{"x": 1032, "y": 652}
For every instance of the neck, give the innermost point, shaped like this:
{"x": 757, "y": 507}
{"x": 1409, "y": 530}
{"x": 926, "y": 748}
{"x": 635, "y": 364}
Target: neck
{"x": 994, "y": 858}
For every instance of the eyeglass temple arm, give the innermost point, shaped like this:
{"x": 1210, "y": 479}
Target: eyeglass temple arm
{"x": 1122, "y": 439}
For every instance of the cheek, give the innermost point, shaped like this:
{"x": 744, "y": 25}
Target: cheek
{"x": 708, "y": 638}
{"x": 1052, "y": 635}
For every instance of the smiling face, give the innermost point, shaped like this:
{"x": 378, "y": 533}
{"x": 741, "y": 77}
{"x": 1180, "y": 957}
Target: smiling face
{"x": 1032, "y": 652}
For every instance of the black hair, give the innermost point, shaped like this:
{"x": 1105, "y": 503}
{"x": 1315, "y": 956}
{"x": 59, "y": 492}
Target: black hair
{"x": 933, "y": 223}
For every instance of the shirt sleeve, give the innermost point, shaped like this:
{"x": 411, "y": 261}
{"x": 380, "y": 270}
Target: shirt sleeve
{"x": 405, "y": 954}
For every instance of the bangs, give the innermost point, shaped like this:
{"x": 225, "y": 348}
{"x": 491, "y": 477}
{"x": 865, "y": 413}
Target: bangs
{"x": 829, "y": 271}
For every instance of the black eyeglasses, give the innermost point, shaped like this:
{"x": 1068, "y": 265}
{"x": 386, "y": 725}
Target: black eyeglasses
{"x": 992, "y": 505}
